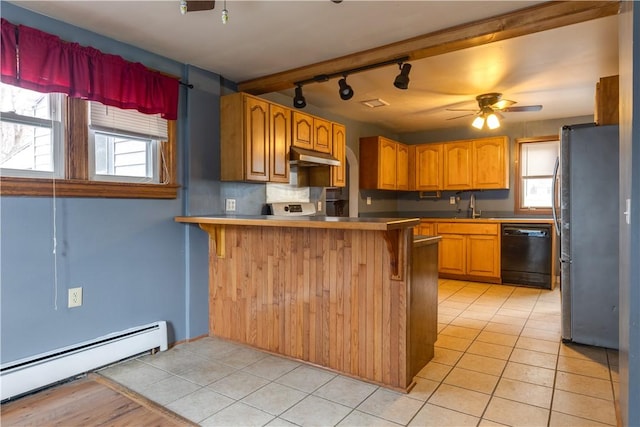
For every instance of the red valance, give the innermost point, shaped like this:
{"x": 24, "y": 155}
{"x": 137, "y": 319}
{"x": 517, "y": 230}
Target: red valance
{"x": 48, "y": 64}
{"x": 8, "y": 53}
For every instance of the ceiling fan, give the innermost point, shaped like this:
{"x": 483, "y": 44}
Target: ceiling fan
{"x": 196, "y": 5}
{"x": 490, "y": 105}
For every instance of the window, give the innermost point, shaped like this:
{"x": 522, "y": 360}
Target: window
{"x": 536, "y": 159}
{"x": 84, "y": 148}
{"x": 124, "y": 144}
{"x": 31, "y": 132}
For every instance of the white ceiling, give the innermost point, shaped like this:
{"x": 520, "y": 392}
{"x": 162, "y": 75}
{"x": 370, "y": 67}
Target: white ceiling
{"x": 556, "y": 68}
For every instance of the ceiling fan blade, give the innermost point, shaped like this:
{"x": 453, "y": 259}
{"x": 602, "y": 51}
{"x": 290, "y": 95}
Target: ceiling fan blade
{"x": 461, "y": 109}
{"x": 502, "y": 104}
{"x": 522, "y": 108}
{"x": 464, "y": 115}
{"x": 197, "y": 5}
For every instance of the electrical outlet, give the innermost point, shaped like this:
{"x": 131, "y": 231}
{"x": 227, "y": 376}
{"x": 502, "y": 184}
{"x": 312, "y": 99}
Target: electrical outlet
{"x": 368, "y": 200}
{"x": 319, "y": 206}
{"x": 75, "y": 297}
{"x": 452, "y": 200}
{"x": 230, "y": 205}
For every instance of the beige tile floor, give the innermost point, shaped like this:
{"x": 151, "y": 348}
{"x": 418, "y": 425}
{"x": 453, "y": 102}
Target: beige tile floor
{"x": 498, "y": 361}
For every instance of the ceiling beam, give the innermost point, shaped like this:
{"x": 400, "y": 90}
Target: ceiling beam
{"x": 530, "y": 20}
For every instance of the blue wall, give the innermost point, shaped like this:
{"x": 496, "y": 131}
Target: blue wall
{"x": 133, "y": 261}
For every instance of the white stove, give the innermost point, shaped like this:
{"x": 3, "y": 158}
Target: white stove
{"x": 292, "y": 209}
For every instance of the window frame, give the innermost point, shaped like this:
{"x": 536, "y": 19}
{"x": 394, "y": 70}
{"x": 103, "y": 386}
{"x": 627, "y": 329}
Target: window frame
{"x": 77, "y": 182}
{"x": 518, "y": 190}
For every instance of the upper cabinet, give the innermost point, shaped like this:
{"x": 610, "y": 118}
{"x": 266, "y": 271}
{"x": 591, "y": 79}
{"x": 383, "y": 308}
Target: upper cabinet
{"x": 244, "y": 138}
{"x": 339, "y": 139}
{"x": 256, "y": 136}
{"x": 457, "y": 166}
{"x": 312, "y": 133}
{"x": 474, "y": 164}
{"x": 280, "y": 131}
{"x": 428, "y": 167}
{"x": 490, "y": 163}
{"x": 383, "y": 164}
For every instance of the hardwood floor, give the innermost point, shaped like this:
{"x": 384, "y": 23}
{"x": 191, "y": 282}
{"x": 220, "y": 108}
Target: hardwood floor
{"x": 91, "y": 401}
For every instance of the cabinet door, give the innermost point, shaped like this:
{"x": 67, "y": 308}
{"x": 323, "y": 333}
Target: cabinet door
{"x": 387, "y": 171}
{"x": 483, "y": 255}
{"x": 426, "y": 229}
{"x": 491, "y": 163}
{"x": 280, "y": 129}
{"x": 256, "y": 139}
{"x": 339, "y": 173}
{"x": 302, "y": 130}
{"x": 457, "y": 166}
{"x": 428, "y": 160}
{"x": 322, "y": 133}
{"x": 452, "y": 254}
{"x": 402, "y": 167}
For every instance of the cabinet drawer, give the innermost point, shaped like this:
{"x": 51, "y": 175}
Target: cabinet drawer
{"x": 466, "y": 228}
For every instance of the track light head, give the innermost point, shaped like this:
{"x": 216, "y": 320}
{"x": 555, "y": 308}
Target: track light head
{"x": 402, "y": 79}
{"x": 298, "y": 100}
{"x": 346, "y": 91}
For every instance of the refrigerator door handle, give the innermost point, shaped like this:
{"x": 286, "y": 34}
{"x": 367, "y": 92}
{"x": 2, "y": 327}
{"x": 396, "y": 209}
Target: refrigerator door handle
{"x": 554, "y": 197}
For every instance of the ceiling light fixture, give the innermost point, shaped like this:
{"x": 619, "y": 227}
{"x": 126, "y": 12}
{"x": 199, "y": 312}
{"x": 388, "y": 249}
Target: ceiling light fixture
{"x": 346, "y": 91}
{"x": 487, "y": 116}
{"x": 402, "y": 79}
{"x": 225, "y": 13}
{"x": 298, "y": 100}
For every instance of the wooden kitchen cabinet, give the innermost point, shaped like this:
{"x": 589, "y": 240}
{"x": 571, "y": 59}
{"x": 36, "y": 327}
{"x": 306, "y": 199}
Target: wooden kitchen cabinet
{"x": 256, "y": 137}
{"x": 453, "y": 254}
{"x": 311, "y": 133}
{"x": 384, "y": 164}
{"x": 244, "y": 138}
{"x": 476, "y": 164}
{"x": 425, "y": 228}
{"x": 402, "y": 167}
{"x": 469, "y": 251}
{"x": 457, "y": 158}
{"x": 428, "y": 172}
{"x": 339, "y": 141}
{"x": 490, "y": 163}
{"x": 607, "y": 101}
{"x": 280, "y": 142}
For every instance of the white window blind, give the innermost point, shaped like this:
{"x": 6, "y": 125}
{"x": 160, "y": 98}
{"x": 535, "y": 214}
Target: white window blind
{"x": 130, "y": 122}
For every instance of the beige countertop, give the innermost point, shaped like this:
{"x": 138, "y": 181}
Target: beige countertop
{"x": 380, "y": 224}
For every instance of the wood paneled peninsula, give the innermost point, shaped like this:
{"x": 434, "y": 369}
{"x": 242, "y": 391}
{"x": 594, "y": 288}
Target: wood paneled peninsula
{"x": 355, "y": 295}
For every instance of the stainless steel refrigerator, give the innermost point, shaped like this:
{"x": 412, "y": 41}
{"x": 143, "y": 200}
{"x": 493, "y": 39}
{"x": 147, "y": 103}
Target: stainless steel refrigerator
{"x": 588, "y": 224}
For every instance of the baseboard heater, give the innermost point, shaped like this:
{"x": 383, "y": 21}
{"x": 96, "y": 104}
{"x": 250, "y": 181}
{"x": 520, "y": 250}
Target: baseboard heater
{"x": 32, "y": 373}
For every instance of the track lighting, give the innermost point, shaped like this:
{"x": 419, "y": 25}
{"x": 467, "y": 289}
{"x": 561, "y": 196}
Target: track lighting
{"x": 298, "y": 100}
{"x": 402, "y": 79}
{"x": 346, "y": 92}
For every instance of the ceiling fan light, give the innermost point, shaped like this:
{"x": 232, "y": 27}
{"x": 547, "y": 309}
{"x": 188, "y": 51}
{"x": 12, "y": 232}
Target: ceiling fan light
{"x": 492, "y": 121}
{"x": 478, "y": 122}
{"x": 402, "y": 79}
{"x": 298, "y": 99}
{"x": 346, "y": 91}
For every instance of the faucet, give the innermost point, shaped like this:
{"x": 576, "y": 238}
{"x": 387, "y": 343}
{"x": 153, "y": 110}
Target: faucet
{"x": 472, "y": 206}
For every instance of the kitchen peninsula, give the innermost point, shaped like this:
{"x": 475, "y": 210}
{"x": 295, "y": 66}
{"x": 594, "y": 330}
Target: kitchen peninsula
{"x": 355, "y": 295}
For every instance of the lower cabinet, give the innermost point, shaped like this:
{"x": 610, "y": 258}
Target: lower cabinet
{"x": 469, "y": 251}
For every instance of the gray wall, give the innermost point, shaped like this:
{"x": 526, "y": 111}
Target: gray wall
{"x": 128, "y": 255}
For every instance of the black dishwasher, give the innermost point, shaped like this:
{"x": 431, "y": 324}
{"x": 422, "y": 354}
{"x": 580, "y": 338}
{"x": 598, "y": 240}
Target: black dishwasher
{"x": 526, "y": 255}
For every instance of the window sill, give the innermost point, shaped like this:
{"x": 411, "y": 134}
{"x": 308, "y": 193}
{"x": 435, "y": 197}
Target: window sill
{"x": 36, "y": 187}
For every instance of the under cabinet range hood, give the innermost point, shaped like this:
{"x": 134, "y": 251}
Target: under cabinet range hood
{"x": 303, "y": 157}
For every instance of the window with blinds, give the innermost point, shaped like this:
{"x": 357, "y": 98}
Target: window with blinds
{"x": 125, "y": 144}
{"x": 536, "y": 164}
